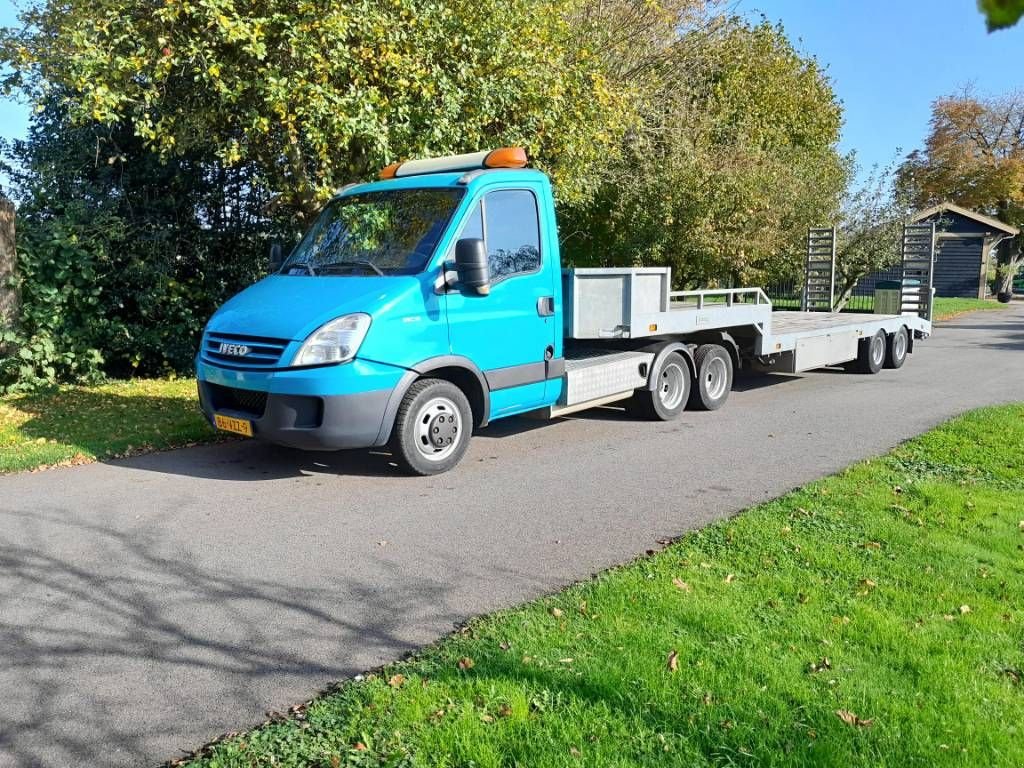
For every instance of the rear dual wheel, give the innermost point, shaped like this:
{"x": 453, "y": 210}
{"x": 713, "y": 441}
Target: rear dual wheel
{"x": 897, "y": 348}
{"x": 870, "y": 354}
{"x": 873, "y": 352}
{"x": 671, "y": 390}
{"x": 713, "y": 380}
{"x": 674, "y": 388}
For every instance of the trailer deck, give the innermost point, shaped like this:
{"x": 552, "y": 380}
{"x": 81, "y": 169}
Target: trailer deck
{"x": 607, "y": 310}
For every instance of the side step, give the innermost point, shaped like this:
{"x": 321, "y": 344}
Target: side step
{"x": 596, "y": 377}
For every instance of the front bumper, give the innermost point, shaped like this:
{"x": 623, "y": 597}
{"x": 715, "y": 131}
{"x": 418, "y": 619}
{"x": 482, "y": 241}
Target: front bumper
{"x": 308, "y": 417}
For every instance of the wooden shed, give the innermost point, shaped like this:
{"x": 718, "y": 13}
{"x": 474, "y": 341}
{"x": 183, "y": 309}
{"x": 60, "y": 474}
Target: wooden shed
{"x": 965, "y": 251}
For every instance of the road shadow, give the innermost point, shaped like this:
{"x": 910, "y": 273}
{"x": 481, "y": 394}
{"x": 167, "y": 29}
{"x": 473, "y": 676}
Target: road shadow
{"x": 103, "y": 640}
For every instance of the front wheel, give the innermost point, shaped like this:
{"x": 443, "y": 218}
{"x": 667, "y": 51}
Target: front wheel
{"x": 713, "y": 381}
{"x": 432, "y": 427}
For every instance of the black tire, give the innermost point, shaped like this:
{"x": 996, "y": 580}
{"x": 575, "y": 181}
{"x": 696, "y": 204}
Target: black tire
{"x": 896, "y": 349}
{"x": 432, "y": 410}
{"x": 713, "y": 381}
{"x": 668, "y": 399}
{"x": 871, "y": 353}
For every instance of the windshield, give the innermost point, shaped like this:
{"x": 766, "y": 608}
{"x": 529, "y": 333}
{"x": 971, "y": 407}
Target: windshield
{"x": 375, "y": 233}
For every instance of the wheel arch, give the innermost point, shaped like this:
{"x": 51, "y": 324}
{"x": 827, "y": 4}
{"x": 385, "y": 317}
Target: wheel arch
{"x": 662, "y": 350}
{"x": 460, "y": 371}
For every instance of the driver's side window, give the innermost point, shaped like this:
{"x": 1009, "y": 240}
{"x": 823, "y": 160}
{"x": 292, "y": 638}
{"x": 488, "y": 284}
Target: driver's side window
{"x": 508, "y": 222}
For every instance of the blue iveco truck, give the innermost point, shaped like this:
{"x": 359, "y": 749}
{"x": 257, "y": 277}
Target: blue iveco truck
{"x": 422, "y": 306}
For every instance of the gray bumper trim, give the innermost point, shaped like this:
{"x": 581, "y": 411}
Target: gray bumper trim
{"x": 315, "y": 423}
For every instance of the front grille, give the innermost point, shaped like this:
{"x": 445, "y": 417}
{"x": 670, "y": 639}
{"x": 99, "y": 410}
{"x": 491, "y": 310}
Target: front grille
{"x": 260, "y": 351}
{"x": 248, "y": 401}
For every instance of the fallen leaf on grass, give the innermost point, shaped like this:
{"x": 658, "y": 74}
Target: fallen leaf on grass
{"x": 504, "y": 711}
{"x": 850, "y": 718}
{"x": 730, "y": 578}
{"x": 465, "y": 663}
{"x": 397, "y": 681}
{"x": 673, "y": 661}
{"x": 556, "y": 612}
{"x": 964, "y": 609}
{"x": 818, "y": 666}
{"x": 359, "y": 747}
{"x": 681, "y": 585}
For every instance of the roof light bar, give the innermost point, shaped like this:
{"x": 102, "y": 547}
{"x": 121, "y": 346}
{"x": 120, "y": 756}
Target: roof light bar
{"x": 506, "y": 157}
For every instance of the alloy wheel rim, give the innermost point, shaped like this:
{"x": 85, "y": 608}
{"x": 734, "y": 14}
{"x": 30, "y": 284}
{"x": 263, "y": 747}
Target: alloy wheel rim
{"x": 877, "y": 349}
{"x": 900, "y": 347}
{"x": 716, "y": 378}
{"x": 671, "y": 386}
{"x": 438, "y": 429}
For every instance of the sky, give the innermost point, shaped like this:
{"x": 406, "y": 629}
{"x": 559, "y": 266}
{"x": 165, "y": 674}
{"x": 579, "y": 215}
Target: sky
{"x": 888, "y": 61}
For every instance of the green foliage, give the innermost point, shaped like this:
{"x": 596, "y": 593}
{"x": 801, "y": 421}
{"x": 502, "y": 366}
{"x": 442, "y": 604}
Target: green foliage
{"x": 175, "y": 139}
{"x": 318, "y": 95}
{"x": 122, "y": 257}
{"x": 871, "y": 619}
{"x": 736, "y": 158}
{"x": 1001, "y": 13}
{"x": 870, "y": 230}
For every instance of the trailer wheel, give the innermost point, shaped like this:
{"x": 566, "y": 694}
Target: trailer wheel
{"x": 432, "y": 427}
{"x": 671, "y": 391}
{"x": 714, "y": 378}
{"x": 871, "y": 353}
{"x": 896, "y": 349}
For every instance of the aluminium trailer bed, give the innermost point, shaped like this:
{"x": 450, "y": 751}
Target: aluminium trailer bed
{"x": 616, "y": 320}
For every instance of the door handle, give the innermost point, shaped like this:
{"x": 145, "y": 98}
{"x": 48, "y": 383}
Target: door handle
{"x": 546, "y": 306}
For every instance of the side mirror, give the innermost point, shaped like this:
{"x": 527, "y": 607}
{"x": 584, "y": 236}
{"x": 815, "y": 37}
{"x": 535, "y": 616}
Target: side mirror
{"x": 472, "y": 266}
{"x": 276, "y": 257}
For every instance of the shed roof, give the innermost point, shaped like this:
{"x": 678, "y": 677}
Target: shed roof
{"x": 988, "y": 221}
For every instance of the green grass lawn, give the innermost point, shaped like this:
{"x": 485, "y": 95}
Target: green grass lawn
{"x": 944, "y": 309}
{"x": 875, "y": 618}
{"x": 70, "y": 425}
{"x": 947, "y": 308}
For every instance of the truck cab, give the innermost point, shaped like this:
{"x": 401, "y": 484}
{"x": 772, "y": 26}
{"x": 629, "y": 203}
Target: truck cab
{"x": 374, "y": 315}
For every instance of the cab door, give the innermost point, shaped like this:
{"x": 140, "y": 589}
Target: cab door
{"x": 511, "y": 333}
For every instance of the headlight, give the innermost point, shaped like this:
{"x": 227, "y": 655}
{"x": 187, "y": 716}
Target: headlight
{"x": 334, "y": 342}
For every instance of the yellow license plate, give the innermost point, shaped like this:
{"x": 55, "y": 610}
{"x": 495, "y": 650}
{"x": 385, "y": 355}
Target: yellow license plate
{"x": 229, "y": 424}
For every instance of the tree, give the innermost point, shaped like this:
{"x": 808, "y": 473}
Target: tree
{"x": 736, "y": 156}
{"x": 870, "y": 230}
{"x": 1001, "y": 13}
{"x": 974, "y": 157}
{"x": 317, "y": 95}
{"x": 122, "y": 256}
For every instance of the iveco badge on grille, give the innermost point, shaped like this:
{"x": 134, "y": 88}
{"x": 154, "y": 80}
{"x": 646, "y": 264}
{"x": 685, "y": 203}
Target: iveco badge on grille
{"x": 235, "y": 350}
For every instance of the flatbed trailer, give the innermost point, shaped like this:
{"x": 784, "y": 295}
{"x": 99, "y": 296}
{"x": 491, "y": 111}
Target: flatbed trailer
{"x": 619, "y": 322}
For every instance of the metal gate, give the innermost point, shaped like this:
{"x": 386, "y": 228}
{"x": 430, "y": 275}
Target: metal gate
{"x": 918, "y": 265}
{"x": 820, "y": 271}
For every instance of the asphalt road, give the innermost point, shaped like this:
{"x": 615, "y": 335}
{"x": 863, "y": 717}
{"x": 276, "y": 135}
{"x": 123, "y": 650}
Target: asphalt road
{"x": 148, "y": 605}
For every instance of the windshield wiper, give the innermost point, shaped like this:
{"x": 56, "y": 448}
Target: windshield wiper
{"x": 367, "y": 264}
{"x": 303, "y": 265}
